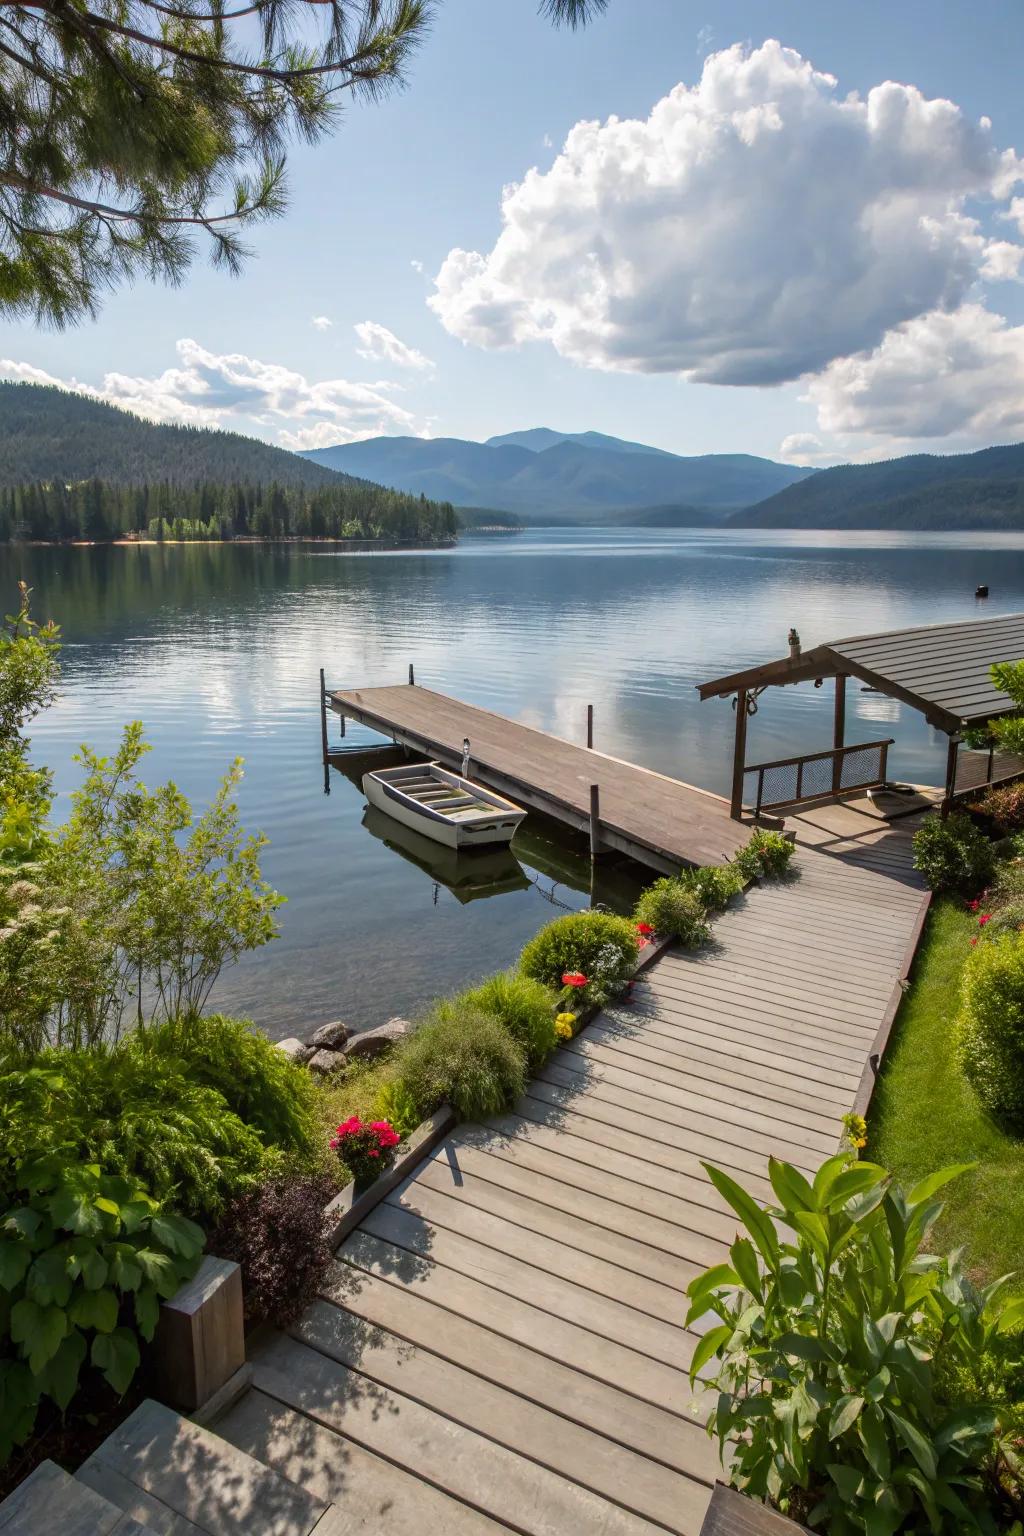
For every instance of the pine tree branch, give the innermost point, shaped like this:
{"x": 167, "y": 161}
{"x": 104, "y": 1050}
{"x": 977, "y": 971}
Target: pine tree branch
{"x": 104, "y": 211}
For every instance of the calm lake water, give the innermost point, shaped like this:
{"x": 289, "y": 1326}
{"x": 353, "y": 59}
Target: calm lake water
{"x": 216, "y": 649}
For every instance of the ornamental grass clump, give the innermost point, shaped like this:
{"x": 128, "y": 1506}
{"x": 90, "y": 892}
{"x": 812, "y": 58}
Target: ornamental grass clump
{"x": 990, "y": 1026}
{"x": 953, "y": 855}
{"x": 674, "y": 910}
{"x": 766, "y": 856}
{"x": 465, "y": 1057}
{"x": 525, "y": 1007}
{"x": 826, "y": 1400}
{"x": 598, "y": 946}
{"x": 715, "y": 884}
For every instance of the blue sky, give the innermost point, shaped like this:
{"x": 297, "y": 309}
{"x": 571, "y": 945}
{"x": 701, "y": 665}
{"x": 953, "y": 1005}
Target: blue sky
{"x": 696, "y": 244}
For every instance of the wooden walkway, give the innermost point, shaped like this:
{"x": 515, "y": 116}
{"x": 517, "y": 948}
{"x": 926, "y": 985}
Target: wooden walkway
{"x": 500, "y": 1346}
{"x": 661, "y": 821}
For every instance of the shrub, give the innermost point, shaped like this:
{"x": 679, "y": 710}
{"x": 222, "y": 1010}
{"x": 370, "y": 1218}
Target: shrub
{"x": 526, "y": 1008}
{"x": 85, "y": 1259}
{"x": 953, "y": 855}
{"x": 262, "y": 1085}
{"x": 766, "y": 855}
{"x": 674, "y": 909}
{"x": 466, "y": 1057}
{"x": 395, "y": 1104}
{"x": 990, "y": 1026}
{"x": 279, "y": 1235}
{"x": 824, "y": 1381}
{"x": 715, "y": 884}
{"x": 139, "y": 1114}
{"x": 597, "y": 945}
{"x": 1004, "y": 806}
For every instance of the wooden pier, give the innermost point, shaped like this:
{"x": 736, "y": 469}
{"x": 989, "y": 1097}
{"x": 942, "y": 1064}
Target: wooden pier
{"x": 659, "y": 821}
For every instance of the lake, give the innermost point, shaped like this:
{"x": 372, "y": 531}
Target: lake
{"x": 217, "y": 649}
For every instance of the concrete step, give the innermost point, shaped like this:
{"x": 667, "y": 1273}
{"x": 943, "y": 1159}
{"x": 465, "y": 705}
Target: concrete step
{"x": 51, "y": 1501}
{"x": 177, "y": 1478}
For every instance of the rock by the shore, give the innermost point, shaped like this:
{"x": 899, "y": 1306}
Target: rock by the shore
{"x": 296, "y": 1049}
{"x": 329, "y": 1037}
{"x": 374, "y": 1042}
{"x": 324, "y": 1062}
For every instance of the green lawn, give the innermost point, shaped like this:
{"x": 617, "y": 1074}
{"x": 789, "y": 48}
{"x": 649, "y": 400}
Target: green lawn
{"x": 924, "y": 1114}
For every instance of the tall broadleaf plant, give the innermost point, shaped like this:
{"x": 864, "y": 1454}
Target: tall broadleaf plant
{"x": 822, "y": 1356}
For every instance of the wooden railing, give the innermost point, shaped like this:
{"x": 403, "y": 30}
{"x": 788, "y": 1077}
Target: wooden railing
{"x": 816, "y": 775}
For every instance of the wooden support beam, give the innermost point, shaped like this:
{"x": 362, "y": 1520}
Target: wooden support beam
{"x": 739, "y": 756}
{"x": 951, "y": 758}
{"x": 595, "y": 821}
{"x": 839, "y": 732}
{"x": 200, "y": 1338}
{"x": 412, "y": 676}
{"x": 590, "y": 726}
{"x": 323, "y": 716}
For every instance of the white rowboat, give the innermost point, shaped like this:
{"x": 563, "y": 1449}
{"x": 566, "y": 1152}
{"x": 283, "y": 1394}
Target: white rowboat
{"x": 442, "y": 805}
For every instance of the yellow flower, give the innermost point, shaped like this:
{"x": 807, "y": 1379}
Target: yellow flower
{"x": 563, "y": 1025}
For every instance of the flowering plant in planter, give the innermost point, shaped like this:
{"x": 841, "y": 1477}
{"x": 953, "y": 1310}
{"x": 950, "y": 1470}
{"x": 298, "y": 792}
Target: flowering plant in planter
{"x": 366, "y": 1149}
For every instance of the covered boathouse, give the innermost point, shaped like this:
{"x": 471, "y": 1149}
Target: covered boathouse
{"x": 942, "y": 670}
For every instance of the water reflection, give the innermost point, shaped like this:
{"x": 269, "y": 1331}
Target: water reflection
{"x": 217, "y": 649}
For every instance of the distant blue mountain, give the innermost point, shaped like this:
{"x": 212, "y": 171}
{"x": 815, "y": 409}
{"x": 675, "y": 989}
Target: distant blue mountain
{"x": 584, "y": 477}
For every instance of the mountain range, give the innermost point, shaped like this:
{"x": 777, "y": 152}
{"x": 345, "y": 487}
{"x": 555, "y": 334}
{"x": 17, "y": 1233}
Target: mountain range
{"x": 575, "y": 477}
{"x": 51, "y": 435}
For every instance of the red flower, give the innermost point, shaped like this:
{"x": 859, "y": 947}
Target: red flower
{"x": 986, "y": 917}
{"x": 644, "y": 928}
{"x": 574, "y": 979}
{"x": 973, "y": 942}
{"x": 974, "y": 905}
{"x": 644, "y": 944}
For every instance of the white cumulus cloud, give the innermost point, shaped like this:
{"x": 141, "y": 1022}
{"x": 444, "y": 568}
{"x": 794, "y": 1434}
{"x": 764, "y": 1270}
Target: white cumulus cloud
{"x": 321, "y": 322}
{"x": 383, "y": 346}
{"x": 802, "y": 448}
{"x": 943, "y": 376}
{"x": 245, "y": 393}
{"x": 753, "y": 228}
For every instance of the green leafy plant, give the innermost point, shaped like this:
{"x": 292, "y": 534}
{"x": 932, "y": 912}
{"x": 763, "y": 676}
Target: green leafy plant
{"x": 258, "y": 1082}
{"x": 85, "y": 1259}
{"x": 674, "y": 909}
{"x": 767, "y": 855}
{"x": 822, "y": 1359}
{"x": 279, "y": 1235}
{"x": 599, "y": 946}
{"x": 395, "y": 1103}
{"x": 28, "y": 674}
{"x": 526, "y": 1008}
{"x": 465, "y": 1057}
{"x": 139, "y": 1114}
{"x": 953, "y": 855}
{"x": 990, "y": 1026}
{"x": 715, "y": 884}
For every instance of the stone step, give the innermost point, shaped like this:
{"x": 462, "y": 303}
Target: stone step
{"x": 178, "y": 1479}
{"x": 50, "y": 1500}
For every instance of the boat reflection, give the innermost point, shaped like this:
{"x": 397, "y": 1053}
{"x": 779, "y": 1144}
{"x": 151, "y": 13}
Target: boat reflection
{"x": 469, "y": 874}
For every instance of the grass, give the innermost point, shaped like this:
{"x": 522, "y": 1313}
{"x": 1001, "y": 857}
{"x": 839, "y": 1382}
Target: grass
{"x": 924, "y": 1114}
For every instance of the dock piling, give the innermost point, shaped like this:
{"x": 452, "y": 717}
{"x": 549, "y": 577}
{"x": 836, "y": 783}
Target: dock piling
{"x": 595, "y": 819}
{"x": 412, "y": 676}
{"x": 590, "y": 726}
{"x": 323, "y": 716}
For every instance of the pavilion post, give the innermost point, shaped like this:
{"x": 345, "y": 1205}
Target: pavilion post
{"x": 739, "y": 756}
{"x": 951, "y": 757}
{"x": 839, "y": 732}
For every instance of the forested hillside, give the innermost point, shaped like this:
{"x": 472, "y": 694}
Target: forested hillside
{"x": 51, "y": 434}
{"x": 95, "y": 510}
{"x": 922, "y": 491}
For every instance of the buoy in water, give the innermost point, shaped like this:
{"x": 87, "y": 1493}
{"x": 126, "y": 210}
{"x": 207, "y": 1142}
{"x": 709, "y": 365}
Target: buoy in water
{"x": 981, "y": 591}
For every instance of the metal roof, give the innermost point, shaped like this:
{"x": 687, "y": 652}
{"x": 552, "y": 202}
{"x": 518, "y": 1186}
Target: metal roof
{"x": 943, "y": 670}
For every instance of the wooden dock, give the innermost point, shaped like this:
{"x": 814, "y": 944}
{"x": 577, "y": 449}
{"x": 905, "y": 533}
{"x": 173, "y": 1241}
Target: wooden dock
{"x": 659, "y": 821}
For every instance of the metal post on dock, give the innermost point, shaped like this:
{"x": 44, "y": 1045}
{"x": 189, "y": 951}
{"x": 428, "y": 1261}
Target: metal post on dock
{"x": 590, "y": 726}
{"x": 595, "y": 820}
{"x": 412, "y": 676}
{"x": 323, "y": 716}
